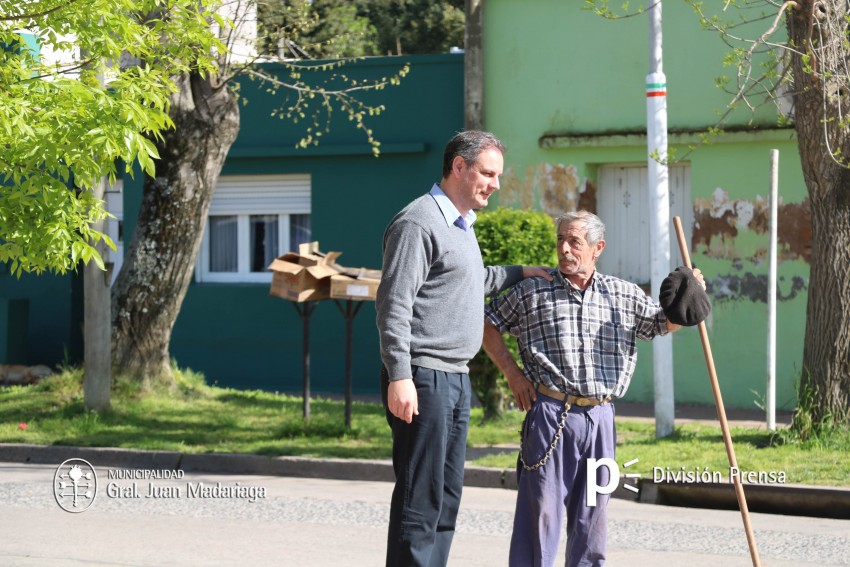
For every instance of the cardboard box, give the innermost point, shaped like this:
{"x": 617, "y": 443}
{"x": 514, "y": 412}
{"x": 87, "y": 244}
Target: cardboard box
{"x": 356, "y": 283}
{"x": 304, "y": 276}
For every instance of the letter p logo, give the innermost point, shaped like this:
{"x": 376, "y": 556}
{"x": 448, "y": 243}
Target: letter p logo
{"x": 609, "y": 477}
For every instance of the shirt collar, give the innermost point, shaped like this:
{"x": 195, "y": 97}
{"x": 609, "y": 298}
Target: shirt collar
{"x": 569, "y": 285}
{"x": 448, "y": 208}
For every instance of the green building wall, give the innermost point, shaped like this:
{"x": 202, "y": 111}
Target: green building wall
{"x": 565, "y": 89}
{"x": 40, "y": 319}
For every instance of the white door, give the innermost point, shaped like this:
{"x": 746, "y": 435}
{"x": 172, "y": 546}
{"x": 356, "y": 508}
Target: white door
{"x": 623, "y": 205}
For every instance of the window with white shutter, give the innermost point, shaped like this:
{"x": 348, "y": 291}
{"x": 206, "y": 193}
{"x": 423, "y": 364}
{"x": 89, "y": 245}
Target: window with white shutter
{"x": 253, "y": 219}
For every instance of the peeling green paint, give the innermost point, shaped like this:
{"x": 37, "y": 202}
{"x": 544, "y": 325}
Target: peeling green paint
{"x": 753, "y": 287}
{"x": 720, "y": 220}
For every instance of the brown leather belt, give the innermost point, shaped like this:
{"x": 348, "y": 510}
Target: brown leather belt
{"x": 570, "y": 398}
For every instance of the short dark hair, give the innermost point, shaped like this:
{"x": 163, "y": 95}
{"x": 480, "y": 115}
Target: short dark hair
{"x": 469, "y": 144}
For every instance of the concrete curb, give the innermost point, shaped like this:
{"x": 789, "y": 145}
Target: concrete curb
{"x": 789, "y": 499}
{"x": 102, "y": 456}
{"x": 798, "y": 500}
{"x": 233, "y": 463}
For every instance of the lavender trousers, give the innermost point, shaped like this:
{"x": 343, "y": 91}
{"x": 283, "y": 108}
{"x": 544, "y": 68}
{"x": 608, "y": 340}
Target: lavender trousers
{"x": 561, "y": 485}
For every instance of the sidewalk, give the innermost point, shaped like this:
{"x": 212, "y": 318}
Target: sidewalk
{"x": 333, "y": 523}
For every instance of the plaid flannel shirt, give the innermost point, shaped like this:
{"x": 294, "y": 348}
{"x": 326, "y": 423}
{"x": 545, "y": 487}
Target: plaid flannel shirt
{"x": 581, "y": 343}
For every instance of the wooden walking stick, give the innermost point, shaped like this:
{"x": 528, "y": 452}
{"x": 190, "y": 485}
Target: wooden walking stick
{"x": 721, "y": 411}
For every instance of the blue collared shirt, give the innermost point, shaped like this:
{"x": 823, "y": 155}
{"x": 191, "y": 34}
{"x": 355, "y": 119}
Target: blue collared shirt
{"x": 453, "y": 216}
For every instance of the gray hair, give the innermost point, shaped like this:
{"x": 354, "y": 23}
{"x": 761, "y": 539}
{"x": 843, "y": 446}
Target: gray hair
{"x": 469, "y": 144}
{"x": 593, "y": 225}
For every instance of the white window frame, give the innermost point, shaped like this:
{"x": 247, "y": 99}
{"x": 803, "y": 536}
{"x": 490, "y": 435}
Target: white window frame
{"x": 246, "y": 195}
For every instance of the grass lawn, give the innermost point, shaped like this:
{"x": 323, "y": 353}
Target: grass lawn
{"x": 196, "y": 418}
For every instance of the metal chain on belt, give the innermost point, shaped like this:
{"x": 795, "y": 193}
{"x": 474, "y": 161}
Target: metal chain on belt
{"x": 555, "y": 439}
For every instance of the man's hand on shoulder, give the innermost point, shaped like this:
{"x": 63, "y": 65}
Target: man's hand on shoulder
{"x": 536, "y": 272}
{"x": 402, "y": 399}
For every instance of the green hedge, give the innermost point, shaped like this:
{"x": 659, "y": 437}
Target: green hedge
{"x": 506, "y": 237}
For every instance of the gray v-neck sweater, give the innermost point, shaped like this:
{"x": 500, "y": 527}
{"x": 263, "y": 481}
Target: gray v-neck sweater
{"x": 430, "y": 303}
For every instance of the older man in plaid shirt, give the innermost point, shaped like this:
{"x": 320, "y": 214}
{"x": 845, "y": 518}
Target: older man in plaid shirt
{"x": 577, "y": 340}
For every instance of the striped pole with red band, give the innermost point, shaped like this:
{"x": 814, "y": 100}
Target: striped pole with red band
{"x": 656, "y": 89}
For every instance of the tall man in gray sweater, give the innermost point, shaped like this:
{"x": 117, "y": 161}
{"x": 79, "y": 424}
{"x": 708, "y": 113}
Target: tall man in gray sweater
{"x": 430, "y": 314}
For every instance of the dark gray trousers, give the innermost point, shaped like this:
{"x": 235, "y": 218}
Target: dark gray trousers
{"x": 428, "y": 459}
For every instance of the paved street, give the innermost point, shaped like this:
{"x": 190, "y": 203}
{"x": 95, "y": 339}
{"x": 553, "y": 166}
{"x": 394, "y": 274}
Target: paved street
{"x": 317, "y": 523}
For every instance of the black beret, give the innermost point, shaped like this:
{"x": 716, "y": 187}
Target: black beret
{"x": 683, "y": 299}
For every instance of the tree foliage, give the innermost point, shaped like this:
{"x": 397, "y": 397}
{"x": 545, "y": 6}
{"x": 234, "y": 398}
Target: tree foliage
{"x": 508, "y": 237}
{"x": 416, "y": 26}
{"x": 353, "y": 28}
{"x": 80, "y": 104}
{"x": 67, "y": 124}
{"x": 321, "y": 29}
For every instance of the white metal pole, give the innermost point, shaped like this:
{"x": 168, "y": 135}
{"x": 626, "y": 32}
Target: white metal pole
{"x": 659, "y": 221}
{"x": 770, "y": 395}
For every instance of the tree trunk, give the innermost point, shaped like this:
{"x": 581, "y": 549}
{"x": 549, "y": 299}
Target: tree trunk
{"x": 820, "y": 92}
{"x": 160, "y": 260}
